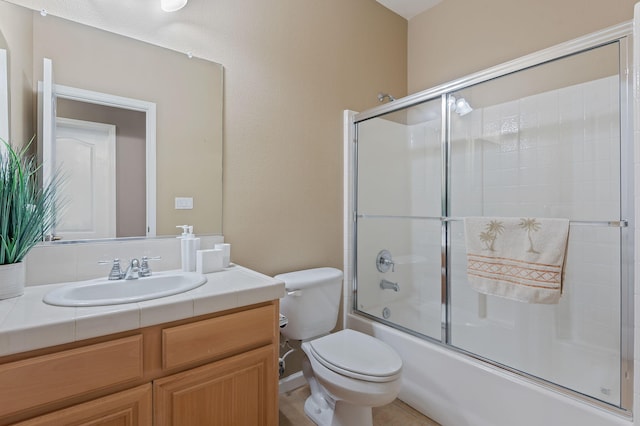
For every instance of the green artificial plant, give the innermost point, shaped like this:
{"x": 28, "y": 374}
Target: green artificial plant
{"x": 27, "y": 210}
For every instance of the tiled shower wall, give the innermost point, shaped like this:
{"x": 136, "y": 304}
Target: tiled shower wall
{"x": 554, "y": 154}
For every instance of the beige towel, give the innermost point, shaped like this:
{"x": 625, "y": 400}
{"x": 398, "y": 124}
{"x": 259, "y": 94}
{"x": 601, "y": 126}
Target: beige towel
{"x": 516, "y": 258}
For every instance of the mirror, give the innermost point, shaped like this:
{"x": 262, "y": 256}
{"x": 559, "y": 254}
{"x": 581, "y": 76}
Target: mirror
{"x": 187, "y": 93}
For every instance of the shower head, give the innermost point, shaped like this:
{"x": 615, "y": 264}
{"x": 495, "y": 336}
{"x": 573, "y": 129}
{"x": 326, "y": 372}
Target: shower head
{"x": 382, "y": 96}
{"x": 460, "y": 105}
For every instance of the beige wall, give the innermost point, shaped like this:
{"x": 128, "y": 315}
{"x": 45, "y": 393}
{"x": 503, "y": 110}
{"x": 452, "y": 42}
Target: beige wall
{"x": 293, "y": 68}
{"x": 459, "y": 37}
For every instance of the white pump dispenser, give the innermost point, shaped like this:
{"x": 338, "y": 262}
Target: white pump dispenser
{"x": 188, "y": 247}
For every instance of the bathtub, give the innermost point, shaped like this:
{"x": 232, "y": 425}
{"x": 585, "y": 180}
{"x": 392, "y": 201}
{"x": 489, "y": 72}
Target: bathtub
{"x": 457, "y": 390}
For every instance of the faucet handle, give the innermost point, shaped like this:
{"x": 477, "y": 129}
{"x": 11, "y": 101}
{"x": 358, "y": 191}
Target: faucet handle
{"x": 116, "y": 271}
{"x": 145, "y": 271}
{"x": 384, "y": 261}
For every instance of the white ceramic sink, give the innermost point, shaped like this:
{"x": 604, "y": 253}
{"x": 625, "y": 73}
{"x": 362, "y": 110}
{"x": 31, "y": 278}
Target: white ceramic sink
{"x": 104, "y": 292}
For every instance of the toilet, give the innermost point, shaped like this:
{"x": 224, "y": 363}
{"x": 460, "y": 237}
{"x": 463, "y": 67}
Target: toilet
{"x": 348, "y": 372}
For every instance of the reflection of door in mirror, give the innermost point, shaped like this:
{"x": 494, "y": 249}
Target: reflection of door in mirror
{"x": 87, "y": 151}
{"x": 4, "y": 98}
{"x": 133, "y": 168}
{"x": 129, "y": 167}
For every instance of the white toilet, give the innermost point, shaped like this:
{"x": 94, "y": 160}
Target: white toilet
{"x": 348, "y": 372}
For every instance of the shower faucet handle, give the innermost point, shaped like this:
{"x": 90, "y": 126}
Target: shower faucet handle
{"x": 384, "y": 261}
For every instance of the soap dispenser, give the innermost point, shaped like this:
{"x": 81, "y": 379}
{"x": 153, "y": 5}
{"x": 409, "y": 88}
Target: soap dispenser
{"x": 189, "y": 244}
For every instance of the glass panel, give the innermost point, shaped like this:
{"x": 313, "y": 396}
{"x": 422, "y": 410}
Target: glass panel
{"x": 399, "y": 206}
{"x": 399, "y": 162}
{"x": 545, "y": 142}
{"x": 415, "y": 248}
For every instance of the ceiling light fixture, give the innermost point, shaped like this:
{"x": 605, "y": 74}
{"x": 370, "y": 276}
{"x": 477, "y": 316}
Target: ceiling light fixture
{"x": 172, "y": 5}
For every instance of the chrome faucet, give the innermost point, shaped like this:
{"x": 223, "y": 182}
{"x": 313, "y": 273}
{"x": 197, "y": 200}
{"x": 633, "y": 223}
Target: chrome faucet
{"x": 133, "y": 271}
{"x": 136, "y": 269}
{"x": 388, "y": 285}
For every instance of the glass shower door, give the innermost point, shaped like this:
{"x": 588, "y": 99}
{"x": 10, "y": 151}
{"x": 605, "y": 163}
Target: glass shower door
{"x": 545, "y": 143}
{"x": 398, "y": 227}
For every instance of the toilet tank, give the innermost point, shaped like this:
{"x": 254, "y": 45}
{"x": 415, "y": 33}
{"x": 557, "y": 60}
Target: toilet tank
{"x": 311, "y": 303}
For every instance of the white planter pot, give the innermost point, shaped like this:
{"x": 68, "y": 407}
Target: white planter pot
{"x": 12, "y": 279}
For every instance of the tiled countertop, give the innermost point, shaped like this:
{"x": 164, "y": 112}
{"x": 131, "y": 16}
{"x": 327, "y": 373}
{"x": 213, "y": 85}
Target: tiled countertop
{"x": 27, "y": 323}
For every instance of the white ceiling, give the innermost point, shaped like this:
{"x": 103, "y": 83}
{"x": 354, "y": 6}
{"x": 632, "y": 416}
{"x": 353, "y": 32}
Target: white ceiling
{"x": 408, "y": 8}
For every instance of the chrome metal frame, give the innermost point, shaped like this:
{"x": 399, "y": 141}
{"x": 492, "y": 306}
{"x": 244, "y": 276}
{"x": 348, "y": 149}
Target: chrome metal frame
{"x": 626, "y": 233}
{"x": 621, "y": 34}
{"x": 445, "y": 205}
{"x": 623, "y": 223}
{"x": 571, "y": 47}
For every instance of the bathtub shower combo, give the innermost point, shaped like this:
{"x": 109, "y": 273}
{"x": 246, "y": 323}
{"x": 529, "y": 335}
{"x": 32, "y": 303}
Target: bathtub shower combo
{"x": 546, "y": 136}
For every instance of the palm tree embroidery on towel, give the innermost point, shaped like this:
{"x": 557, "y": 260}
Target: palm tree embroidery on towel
{"x": 531, "y": 225}
{"x": 489, "y": 236}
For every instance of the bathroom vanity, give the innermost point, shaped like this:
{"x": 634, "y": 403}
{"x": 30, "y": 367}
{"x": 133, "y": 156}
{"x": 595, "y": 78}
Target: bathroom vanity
{"x": 205, "y": 357}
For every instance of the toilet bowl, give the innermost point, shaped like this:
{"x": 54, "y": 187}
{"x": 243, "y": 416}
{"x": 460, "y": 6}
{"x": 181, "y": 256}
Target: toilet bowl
{"x": 348, "y": 372}
{"x": 353, "y": 372}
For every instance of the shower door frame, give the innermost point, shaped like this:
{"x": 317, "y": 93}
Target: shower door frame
{"x": 621, "y": 34}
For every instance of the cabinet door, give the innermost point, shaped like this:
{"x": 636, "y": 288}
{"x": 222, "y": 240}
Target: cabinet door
{"x": 236, "y": 391}
{"x": 127, "y": 408}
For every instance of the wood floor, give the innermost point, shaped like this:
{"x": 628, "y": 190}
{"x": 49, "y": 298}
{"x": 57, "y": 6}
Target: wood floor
{"x": 395, "y": 414}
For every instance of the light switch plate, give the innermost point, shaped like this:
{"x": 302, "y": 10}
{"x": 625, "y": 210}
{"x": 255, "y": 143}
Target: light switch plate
{"x": 184, "y": 203}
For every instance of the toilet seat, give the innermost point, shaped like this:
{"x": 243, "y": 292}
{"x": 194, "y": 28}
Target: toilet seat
{"x": 357, "y": 355}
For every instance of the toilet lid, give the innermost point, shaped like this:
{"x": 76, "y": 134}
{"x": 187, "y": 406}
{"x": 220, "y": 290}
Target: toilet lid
{"x": 357, "y": 355}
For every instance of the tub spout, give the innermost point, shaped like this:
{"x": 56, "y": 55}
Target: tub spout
{"x": 388, "y": 285}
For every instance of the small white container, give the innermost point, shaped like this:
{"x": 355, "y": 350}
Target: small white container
{"x": 189, "y": 245}
{"x": 226, "y": 253}
{"x": 208, "y": 261}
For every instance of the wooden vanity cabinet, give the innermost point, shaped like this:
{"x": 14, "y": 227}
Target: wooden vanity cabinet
{"x": 218, "y": 369}
{"x": 126, "y": 408}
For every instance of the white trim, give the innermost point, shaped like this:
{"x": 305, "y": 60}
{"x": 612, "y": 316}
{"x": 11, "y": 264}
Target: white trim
{"x": 291, "y": 382}
{"x": 149, "y": 108}
{"x": 348, "y": 140}
{"x": 4, "y": 98}
{"x": 46, "y": 112}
